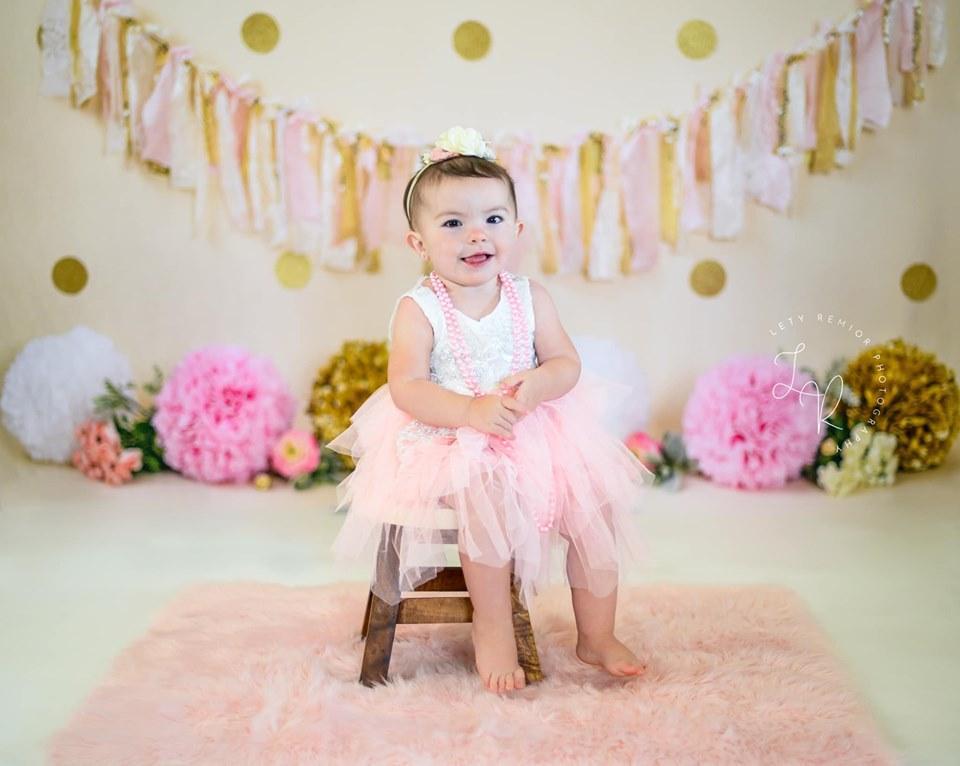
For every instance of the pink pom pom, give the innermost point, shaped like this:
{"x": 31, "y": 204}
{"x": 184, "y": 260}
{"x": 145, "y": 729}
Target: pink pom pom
{"x": 745, "y": 430}
{"x": 219, "y": 414}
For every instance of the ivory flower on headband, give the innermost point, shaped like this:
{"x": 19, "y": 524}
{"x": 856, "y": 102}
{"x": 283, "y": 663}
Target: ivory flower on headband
{"x": 458, "y": 141}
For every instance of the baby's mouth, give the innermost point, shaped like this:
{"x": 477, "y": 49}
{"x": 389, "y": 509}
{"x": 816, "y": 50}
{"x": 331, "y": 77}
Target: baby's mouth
{"x": 477, "y": 258}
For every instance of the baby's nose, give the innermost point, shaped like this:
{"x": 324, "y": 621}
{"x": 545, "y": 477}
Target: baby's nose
{"x": 477, "y": 235}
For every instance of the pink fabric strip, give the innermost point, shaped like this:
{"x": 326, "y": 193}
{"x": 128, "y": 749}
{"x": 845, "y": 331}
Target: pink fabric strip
{"x": 519, "y": 159}
{"x": 373, "y": 218}
{"x": 302, "y": 179}
{"x": 640, "y": 179}
{"x": 873, "y": 89}
{"x": 156, "y": 110}
{"x": 570, "y": 248}
{"x": 693, "y": 208}
{"x": 771, "y": 182}
{"x": 232, "y": 139}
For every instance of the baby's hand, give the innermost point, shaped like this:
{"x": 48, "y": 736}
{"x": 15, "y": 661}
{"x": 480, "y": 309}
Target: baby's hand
{"x": 490, "y": 415}
{"x": 524, "y": 389}
{"x": 514, "y": 405}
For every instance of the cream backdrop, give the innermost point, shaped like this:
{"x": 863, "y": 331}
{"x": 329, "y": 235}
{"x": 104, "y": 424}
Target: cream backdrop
{"x": 553, "y": 68}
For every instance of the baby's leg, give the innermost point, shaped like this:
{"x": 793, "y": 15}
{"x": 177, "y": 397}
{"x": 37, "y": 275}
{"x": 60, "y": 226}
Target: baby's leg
{"x": 595, "y": 617}
{"x": 493, "y": 638}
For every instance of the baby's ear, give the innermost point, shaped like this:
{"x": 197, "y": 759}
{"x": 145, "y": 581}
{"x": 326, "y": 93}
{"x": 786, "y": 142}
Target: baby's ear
{"x": 415, "y": 243}
{"x": 519, "y": 227}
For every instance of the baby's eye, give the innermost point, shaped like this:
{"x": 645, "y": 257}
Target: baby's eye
{"x": 452, "y": 221}
{"x": 490, "y": 219}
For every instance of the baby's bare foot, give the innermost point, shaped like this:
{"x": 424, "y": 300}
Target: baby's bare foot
{"x": 611, "y": 655}
{"x": 496, "y": 655}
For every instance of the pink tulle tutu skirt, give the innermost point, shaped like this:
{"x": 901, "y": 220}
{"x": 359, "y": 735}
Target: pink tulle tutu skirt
{"x": 563, "y": 490}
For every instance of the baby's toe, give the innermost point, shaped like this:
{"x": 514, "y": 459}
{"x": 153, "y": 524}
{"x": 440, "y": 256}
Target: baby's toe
{"x": 520, "y": 680}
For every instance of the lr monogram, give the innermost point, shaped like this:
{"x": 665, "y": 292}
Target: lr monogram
{"x": 785, "y": 390}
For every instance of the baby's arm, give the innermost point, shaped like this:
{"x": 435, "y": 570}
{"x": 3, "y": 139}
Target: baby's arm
{"x": 559, "y": 368}
{"x": 408, "y": 376}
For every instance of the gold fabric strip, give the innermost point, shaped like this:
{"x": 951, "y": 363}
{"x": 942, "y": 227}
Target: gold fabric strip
{"x": 207, "y": 82}
{"x": 548, "y": 257}
{"x": 626, "y": 239}
{"x": 123, "y": 29}
{"x": 669, "y": 185}
{"x": 822, "y": 158}
{"x": 253, "y": 117}
{"x": 591, "y": 182}
{"x": 385, "y": 154}
{"x": 913, "y": 90}
{"x": 75, "y": 50}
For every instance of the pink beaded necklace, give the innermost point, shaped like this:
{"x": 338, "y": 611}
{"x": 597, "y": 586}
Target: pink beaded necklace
{"x": 521, "y": 344}
{"x": 521, "y": 358}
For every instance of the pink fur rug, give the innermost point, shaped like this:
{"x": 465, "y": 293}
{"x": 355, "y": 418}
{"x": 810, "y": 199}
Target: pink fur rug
{"x": 249, "y": 673}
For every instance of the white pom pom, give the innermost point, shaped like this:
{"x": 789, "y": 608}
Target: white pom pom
{"x": 608, "y": 359}
{"x": 49, "y": 389}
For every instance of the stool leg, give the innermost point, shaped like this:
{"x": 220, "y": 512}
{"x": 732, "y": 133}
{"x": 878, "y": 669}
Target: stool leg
{"x": 366, "y": 616}
{"x": 527, "y": 655}
{"x": 378, "y": 645}
{"x": 381, "y": 625}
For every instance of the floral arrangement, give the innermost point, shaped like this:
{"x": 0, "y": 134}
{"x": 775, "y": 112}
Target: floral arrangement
{"x": 896, "y": 404}
{"x": 131, "y": 414}
{"x": 667, "y": 459}
{"x": 238, "y": 418}
{"x": 101, "y": 456}
{"x": 867, "y": 459}
{"x": 298, "y": 457}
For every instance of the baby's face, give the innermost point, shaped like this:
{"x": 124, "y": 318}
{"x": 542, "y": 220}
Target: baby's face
{"x": 467, "y": 228}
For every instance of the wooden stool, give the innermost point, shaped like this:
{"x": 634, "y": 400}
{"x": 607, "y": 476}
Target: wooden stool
{"x": 381, "y": 619}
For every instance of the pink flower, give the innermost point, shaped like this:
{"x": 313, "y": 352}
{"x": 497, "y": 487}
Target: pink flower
{"x": 220, "y": 412}
{"x": 437, "y": 154}
{"x": 296, "y": 453}
{"x": 647, "y": 449}
{"x": 100, "y": 455}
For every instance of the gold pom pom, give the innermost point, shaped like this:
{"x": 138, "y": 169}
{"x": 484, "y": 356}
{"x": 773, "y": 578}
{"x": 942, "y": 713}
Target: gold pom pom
{"x": 263, "y": 481}
{"x": 346, "y": 382}
{"x": 909, "y": 393}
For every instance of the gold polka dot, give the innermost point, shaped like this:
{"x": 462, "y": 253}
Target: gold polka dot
{"x": 293, "y": 270}
{"x": 697, "y": 39}
{"x": 260, "y": 32}
{"x": 707, "y": 278}
{"x": 918, "y": 282}
{"x": 40, "y": 37}
{"x": 69, "y": 275}
{"x": 472, "y": 40}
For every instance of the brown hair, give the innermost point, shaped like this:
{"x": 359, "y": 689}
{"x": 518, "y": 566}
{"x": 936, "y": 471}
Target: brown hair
{"x": 462, "y": 166}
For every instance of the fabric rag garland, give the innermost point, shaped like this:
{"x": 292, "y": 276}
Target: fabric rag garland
{"x": 602, "y": 205}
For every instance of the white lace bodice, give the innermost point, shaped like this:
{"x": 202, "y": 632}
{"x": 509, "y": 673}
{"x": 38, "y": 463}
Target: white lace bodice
{"x": 489, "y": 339}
